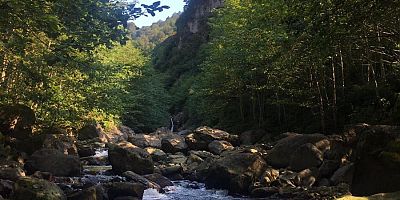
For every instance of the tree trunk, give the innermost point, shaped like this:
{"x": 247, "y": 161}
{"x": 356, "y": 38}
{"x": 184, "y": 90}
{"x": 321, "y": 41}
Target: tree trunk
{"x": 343, "y": 78}
{"x": 334, "y": 98}
{"x": 321, "y": 102}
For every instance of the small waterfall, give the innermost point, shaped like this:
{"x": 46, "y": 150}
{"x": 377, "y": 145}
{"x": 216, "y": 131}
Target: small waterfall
{"x": 172, "y": 124}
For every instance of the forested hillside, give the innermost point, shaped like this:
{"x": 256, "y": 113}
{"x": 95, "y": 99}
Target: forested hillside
{"x": 287, "y": 65}
{"x": 148, "y": 37}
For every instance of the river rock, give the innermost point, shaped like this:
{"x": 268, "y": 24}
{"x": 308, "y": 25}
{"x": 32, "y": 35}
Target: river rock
{"x": 43, "y": 175}
{"x": 6, "y": 188}
{"x": 287, "y": 178}
{"x": 193, "y": 161}
{"x": 132, "y": 176}
{"x": 159, "y": 179}
{"x": 269, "y": 176}
{"x": 323, "y": 182}
{"x": 264, "y": 192}
{"x": 173, "y": 143}
{"x": 91, "y": 193}
{"x": 171, "y": 170}
{"x": 328, "y": 167}
{"x": 16, "y": 121}
{"x": 203, "y": 136}
{"x": 343, "y": 175}
{"x": 91, "y": 131}
{"x": 156, "y": 154}
{"x": 251, "y": 137}
{"x": 125, "y": 189}
{"x": 377, "y": 160}
{"x": 281, "y": 154}
{"x": 55, "y": 162}
{"x": 86, "y": 150}
{"x": 306, "y": 178}
{"x": 177, "y": 159}
{"x": 306, "y": 156}
{"x": 62, "y": 143}
{"x": 118, "y": 133}
{"x": 235, "y": 171}
{"x": 144, "y": 140}
{"x": 202, "y": 154}
{"x": 125, "y": 156}
{"x": 218, "y": 146}
{"x": 32, "y": 188}
{"x": 10, "y": 170}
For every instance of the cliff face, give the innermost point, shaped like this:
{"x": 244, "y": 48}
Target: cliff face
{"x": 178, "y": 56}
{"x": 199, "y": 11}
{"x": 192, "y": 32}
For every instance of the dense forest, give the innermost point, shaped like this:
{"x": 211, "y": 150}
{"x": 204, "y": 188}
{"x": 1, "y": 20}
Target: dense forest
{"x": 287, "y": 65}
{"x": 73, "y": 62}
{"x": 309, "y": 67}
{"x": 305, "y": 66}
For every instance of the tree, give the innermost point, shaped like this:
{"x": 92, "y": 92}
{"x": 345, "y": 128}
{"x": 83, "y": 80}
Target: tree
{"x": 47, "y": 51}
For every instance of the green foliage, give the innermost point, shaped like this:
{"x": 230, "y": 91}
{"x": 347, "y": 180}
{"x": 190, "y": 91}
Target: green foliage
{"x": 55, "y": 57}
{"x": 148, "y": 37}
{"x": 299, "y": 66}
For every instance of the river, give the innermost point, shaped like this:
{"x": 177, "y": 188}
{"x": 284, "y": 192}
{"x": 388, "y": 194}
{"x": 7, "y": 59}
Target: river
{"x": 182, "y": 190}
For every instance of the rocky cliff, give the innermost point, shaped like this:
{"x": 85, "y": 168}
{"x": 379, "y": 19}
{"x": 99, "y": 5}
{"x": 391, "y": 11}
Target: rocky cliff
{"x": 178, "y": 56}
{"x": 197, "y": 14}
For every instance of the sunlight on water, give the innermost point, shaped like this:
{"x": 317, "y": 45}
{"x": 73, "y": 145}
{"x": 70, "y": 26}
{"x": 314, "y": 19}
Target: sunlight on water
{"x": 184, "y": 190}
{"x": 101, "y": 153}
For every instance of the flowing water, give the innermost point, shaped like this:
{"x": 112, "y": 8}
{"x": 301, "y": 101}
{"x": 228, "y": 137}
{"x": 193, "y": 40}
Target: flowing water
{"x": 186, "y": 190}
{"x": 182, "y": 190}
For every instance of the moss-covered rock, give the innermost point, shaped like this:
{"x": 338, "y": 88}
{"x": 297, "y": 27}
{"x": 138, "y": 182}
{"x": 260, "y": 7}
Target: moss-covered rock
{"x": 31, "y": 188}
{"x": 125, "y": 156}
{"x": 377, "y": 160}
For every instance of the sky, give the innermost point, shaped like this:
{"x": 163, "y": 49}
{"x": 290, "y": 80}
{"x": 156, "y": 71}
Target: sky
{"x": 175, "y": 6}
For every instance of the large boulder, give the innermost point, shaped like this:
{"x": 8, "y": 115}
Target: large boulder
{"x": 235, "y": 171}
{"x": 377, "y": 162}
{"x": 16, "y": 121}
{"x": 91, "y": 131}
{"x": 125, "y": 189}
{"x": 32, "y": 188}
{"x": 203, "y": 136}
{"x": 118, "y": 133}
{"x": 60, "y": 142}
{"x": 281, "y": 155}
{"x": 251, "y": 137}
{"x": 55, "y": 162}
{"x": 125, "y": 156}
{"x": 146, "y": 140}
{"x": 173, "y": 143}
{"x": 219, "y": 146}
{"x": 306, "y": 156}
